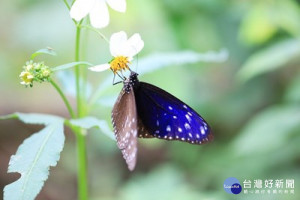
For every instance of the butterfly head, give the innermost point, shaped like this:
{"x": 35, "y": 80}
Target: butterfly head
{"x": 132, "y": 81}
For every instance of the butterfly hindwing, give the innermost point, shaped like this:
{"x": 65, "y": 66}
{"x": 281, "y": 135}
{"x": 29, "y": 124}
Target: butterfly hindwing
{"x": 166, "y": 117}
{"x": 125, "y": 122}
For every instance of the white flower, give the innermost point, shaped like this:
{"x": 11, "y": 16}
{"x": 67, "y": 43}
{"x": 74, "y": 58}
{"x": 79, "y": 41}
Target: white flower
{"x": 97, "y": 9}
{"x": 122, "y": 50}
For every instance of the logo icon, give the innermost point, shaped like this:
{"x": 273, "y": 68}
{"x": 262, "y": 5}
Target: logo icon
{"x": 232, "y": 186}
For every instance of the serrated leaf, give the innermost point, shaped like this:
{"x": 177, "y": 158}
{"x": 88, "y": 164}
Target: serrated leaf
{"x": 33, "y": 118}
{"x": 89, "y": 122}
{"x": 70, "y": 65}
{"x": 266, "y": 131}
{"x": 157, "y": 61}
{"x": 48, "y": 51}
{"x": 33, "y": 159}
{"x": 269, "y": 59}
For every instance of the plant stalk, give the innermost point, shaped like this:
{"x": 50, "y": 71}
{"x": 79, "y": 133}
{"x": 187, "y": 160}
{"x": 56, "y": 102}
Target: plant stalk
{"x": 80, "y": 137}
{"x": 64, "y": 98}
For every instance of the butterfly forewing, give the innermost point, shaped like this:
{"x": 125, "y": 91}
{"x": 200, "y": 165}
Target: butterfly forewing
{"x": 142, "y": 130}
{"x": 166, "y": 117}
{"x": 124, "y": 119}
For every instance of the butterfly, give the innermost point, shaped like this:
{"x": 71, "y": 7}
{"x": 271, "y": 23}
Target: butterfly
{"x": 146, "y": 111}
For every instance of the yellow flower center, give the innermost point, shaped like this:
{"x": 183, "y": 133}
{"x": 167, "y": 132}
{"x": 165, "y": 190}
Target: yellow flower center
{"x": 26, "y": 78}
{"x": 119, "y": 63}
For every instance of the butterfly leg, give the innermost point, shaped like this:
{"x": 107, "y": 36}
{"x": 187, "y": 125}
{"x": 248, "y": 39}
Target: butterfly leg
{"x": 123, "y": 75}
{"x": 115, "y": 83}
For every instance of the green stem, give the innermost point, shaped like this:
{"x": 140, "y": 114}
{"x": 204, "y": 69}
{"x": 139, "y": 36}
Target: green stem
{"x": 64, "y": 98}
{"x": 95, "y": 30}
{"x": 68, "y": 6}
{"x": 77, "y": 73}
{"x": 82, "y": 166}
{"x": 80, "y": 137}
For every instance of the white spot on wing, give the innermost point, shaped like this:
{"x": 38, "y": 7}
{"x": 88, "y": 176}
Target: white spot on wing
{"x": 168, "y": 128}
{"x": 202, "y": 130}
{"x": 170, "y": 108}
{"x": 187, "y": 126}
{"x": 188, "y": 118}
{"x": 179, "y": 129}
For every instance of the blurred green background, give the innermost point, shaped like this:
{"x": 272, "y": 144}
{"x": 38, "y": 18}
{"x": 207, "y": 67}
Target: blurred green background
{"x": 251, "y": 101}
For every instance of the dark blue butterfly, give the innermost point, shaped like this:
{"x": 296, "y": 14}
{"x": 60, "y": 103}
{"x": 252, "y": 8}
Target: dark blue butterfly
{"x": 146, "y": 111}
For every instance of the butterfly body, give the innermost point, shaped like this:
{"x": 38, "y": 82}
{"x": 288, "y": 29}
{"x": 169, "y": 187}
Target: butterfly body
{"x": 146, "y": 111}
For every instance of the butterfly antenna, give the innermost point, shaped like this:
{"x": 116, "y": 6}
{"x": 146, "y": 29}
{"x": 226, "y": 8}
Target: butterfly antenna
{"x": 137, "y": 62}
{"x": 137, "y": 57}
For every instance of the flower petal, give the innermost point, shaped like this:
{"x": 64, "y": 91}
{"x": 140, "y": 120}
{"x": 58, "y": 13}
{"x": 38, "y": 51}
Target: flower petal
{"x": 134, "y": 45}
{"x": 81, "y": 8}
{"x": 117, "y": 42}
{"x": 99, "y": 15}
{"x": 100, "y": 68}
{"x": 118, "y": 5}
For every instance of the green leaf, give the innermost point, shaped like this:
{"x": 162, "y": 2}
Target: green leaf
{"x": 268, "y": 130}
{"x": 33, "y": 118}
{"x": 142, "y": 186}
{"x": 48, "y": 51}
{"x": 35, "y": 156}
{"x": 272, "y": 58}
{"x": 158, "y": 61}
{"x": 292, "y": 94}
{"x": 69, "y": 65}
{"x": 89, "y": 122}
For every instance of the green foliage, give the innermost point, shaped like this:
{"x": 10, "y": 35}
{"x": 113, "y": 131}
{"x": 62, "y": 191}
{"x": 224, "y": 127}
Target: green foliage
{"x": 275, "y": 124}
{"x": 70, "y": 65}
{"x": 48, "y": 51}
{"x": 292, "y": 94}
{"x": 265, "y": 18}
{"x": 35, "y": 156}
{"x": 164, "y": 183}
{"x": 275, "y": 56}
{"x": 33, "y": 118}
{"x": 89, "y": 122}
